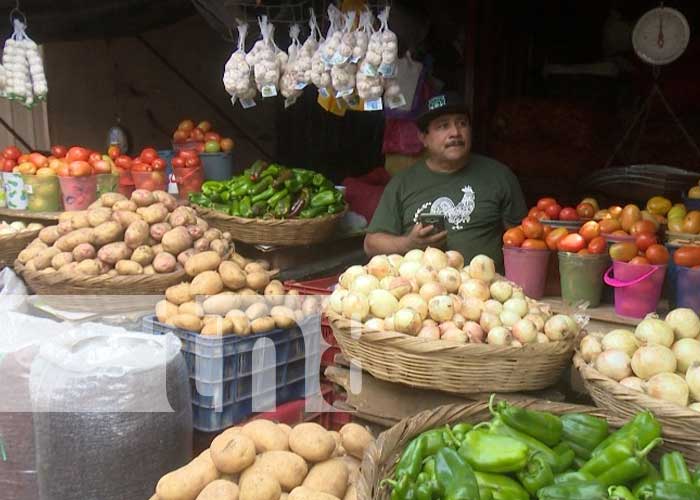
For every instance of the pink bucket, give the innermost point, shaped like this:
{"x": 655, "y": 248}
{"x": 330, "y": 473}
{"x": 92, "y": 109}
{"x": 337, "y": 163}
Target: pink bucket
{"x": 527, "y": 268}
{"x": 637, "y": 288}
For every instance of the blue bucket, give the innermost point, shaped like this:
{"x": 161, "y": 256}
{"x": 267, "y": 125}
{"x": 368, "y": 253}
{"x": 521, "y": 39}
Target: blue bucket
{"x": 688, "y": 288}
{"x": 217, "y": 166}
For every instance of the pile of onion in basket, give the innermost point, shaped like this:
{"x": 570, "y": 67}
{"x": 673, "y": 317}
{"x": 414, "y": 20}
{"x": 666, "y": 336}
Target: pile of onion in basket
{"x": 660, "y": 358}
{"x": 431, "y": 294}
{"x": 263, "y": 460}
{"x": 17, "y": 227}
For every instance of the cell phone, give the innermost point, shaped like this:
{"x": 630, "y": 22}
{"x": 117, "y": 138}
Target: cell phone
{"x": 435, "y": 220}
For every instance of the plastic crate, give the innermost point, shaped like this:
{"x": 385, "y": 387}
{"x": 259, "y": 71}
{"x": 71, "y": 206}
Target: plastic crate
{"x": 321, "y": 286}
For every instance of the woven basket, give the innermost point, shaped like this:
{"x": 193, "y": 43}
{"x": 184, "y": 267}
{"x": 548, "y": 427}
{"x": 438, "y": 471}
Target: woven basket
{"x": 12, "y": 244}
{"x": 448, "y": 366}
{"x": 28, "y": 216}
{"x": 681, "y": 426}
{"x": 282, "y": 232}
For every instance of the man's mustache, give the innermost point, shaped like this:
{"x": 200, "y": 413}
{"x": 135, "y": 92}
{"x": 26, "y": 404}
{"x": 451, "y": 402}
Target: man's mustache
{"x": 455, "y": 143}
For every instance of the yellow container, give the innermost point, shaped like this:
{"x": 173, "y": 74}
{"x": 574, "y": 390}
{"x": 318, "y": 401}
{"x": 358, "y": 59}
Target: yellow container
{"x": 43, "y": 193}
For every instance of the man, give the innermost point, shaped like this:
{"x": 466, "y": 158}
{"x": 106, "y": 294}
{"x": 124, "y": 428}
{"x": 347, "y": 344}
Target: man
{"x": 478, "y": 196}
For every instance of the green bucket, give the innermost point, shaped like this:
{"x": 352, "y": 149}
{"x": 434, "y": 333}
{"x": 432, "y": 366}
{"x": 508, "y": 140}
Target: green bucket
{"x": 582, "y": 277}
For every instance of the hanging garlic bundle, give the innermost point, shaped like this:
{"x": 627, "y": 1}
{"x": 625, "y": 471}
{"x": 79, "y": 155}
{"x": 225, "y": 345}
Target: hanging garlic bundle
{"x": 334, "y": 37}
{"x": 390, "y": 47}
{"x": 306, "y": 53}
{"x": 238, "y": 80}
{"x": 288, "y": 82}
{"x": 342, "y": 72}
{"x": 263, "y": 58}
{"x": 362, "y": 36}
{"x": 23, "y": 68}
{"x": 320, "y": 63}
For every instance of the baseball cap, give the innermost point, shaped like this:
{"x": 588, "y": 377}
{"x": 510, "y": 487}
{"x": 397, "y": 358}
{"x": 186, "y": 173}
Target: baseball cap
{"x": 441, "y": 104}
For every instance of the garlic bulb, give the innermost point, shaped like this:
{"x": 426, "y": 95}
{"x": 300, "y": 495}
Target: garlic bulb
{"x": 390, "y": 44}
{"x": 266, "y": 63}
{"x": 302, "y": 71}
{"x": 238, "y": 80}
{"x": 22, "y": 76}
{"x": 288, "y": 82}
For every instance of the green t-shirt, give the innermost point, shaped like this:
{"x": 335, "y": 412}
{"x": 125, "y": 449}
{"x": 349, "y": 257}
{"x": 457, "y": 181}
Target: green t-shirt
{"x": 478, "y": 203}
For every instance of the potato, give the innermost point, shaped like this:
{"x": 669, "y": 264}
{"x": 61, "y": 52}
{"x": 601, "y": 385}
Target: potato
{"x": 143, "y": 198}
{"x": 65, "y": 227}
{"x": 149, "y": 270}
{"x": 218, "y": 327}
{"x": 274, "y": 293}
{"x": 79, "y": 219}
{"x": 353, "y": 466}
{"x": 221, "y": 303}
{"x": 188, "y": 481}
{"x": 157, "y": 249}
{"x": 232, "y": 452}
{"x": 107, "y": 232}
{"x": 202, "y": 224}
{"x": 259, "y": 486}
{"x": 128, "y": 268}
{"x": 283, "y": 317}
{"x": 206, "y": 283}
{"x": 288, "y": 468}
{"x": 212, "y": 234}
{"x": 284, "y": 496}
{"x": 285, "y": 428}
{"x": 304, "y": 493}
{"x": 114, "y": 252}
{"x": 60, "y": 260}
{"x": 226, "y": 235}
{"x": 249, "y": 297}
{"x": 105, "y": 268}
{"x": 126, "y": 205}
{"x": 44, "y": 258}
{"x": 165, "y": 310}
{"x": 164, "y": 263}
{"x": 205, "y": 261}
{"x": 219, "y": 489}
{"x": 195, "y": 231}
{"x": 208, "y": 318}
{"x": 266, "y": 436}
{"x": 262, "y": 325}
{"x": 201, "y": 245}
{"x": 166, "y": 199}
{"x": 254, "y": 267}
{"x": 257, "y": 280}
{"x": 29, "y": 253}
{"x": 232, "y": 275}
{"x": 176, "y": 240}
{"x": 356, "y": 439}
{"x": 183, "y": 216}
{"x": 158, "y": 230}
{"x": 89, "y": 267}
{"x": 179, "y": 294}
{"x": 99, "y": 216}
{"x": 36, "y": 242}
{"x": 136, "y": 234}
{"x": 241, "y": 325}
{"x": 329, "y": 477}
{"x": 109, "y": 199}
{"x": 154, "y": 214}
{"x": 191, "y": 307}
{"x": 68, "y": 242}
{"x": 70, "y": 268}
{"x": 143, "y": 255}
{"x": 339, "y": 451}
{"x": 83, "y": 251}
{"x": 183, "y": 257}
{"x": 187, "y": 322}
{"x": 49, "y": 235}
{"x": 221, "y": 247}
{"x": 125, "y": 218}
{"x": 311, "y": 442}
{"x": 299, "y": 316}
{"x": 239, "y": 260}
{"x": 258, "y": 310}
{"x": 310, "y": 306}
{"x": 351, "y": 493}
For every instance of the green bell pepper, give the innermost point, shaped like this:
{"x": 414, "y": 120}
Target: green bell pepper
{"x": 411, "y": 460}
{"x": 620, "y": 493}
{"x": 565, "y": 454}
{"x": 537, "y": 474}
{"x": 311, "y": 212}
{"x": 434, "y": 441}
{"x": 580, "y": 452}
{"x": 235, "y": 207}
{"x": 652, "y": 477}
{"x": 271, "y": 171}
{"x": 277, "y": 196}
{"x": 459, "y": 431}
{"x": 318, "y": 180}
{"x": 212, "y": 188}
{"x": 644, "y": 427}
{"x": 323, "y": 199}
{"x": 674, "y": 468}
{"x": 245, "y": 207}
{"x": 242, "y": 188}
{"x": 293, "y": 186}
{"x": 501, "y": 487}
{"x": 628, "y": 469}
{"x": 200, "y": 199}
{"x": 260, "y": 186}
{"x": 335, "y": 208}
{"x": 285, "y": 175}
{"x": 455, "y": 477}
{"x": 573, "y": 477}
{"x": 265, "y": 195}
{"x": 300, "y": 203}
{"x": 668, "y": 490}
{"x": 612, "y": 455}
{"x": 225, "y": 196}
{"x": 591, "y": 490}
{"x": 283, "y": 206}
{"x": 696, "y": 477}
{"x": 303, "y": 177}
{"x": 583, "y": 432}
{"x": 543, "y": 426}
{"x": 256, "y": 170}
{"x": 487, "y": 452}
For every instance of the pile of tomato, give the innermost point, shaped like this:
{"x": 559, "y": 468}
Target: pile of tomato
{"x": 201, "y": 138}
{"x": 76, "y": 161}
{"x": 187, "y": 158}
{"x": 533, "y": 234}
{"x": 550, "y": 209}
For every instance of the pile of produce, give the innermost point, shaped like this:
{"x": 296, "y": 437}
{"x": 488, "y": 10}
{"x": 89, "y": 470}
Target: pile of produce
{"x": 431, "y": 294}
{"x": 694, "y": 192}
{"x": 263, "y": 460}
{"x": 200, "y": 138}
{"x": 521, "y": 454}
{"x": 22, "y": 77}
{"x": 148, "y": 234}
{"x": 550, "y": 209}
{"x": 642, "y": 251}
{"x": 687, "y": 256}
{"x": 66, "y": 162}
{"x": 660, "y": 358}
{"x": 272, "y": 191}
{"x": 18, "y": 227}
{"x": 680, "y": 220}
{"x": 532, "y": 234}
{"x": 231, "y": 296}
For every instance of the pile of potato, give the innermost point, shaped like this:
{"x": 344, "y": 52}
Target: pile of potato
{"x": 18, "y": 227}
{"x": 231, "y": 296}
{"x": 147, "y": 234}
{"x": 263, "y": 460}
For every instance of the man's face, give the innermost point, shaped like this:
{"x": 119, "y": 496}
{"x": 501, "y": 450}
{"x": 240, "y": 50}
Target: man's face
{"x": 448, "y": 137}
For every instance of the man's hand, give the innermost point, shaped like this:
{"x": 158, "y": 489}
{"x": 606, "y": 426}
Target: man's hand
{"x": 420, "y": 237}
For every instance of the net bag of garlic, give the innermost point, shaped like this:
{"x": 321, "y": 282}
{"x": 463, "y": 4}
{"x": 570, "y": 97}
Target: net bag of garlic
{"x": 342, "y": 70}
{"x": 22, "y": 76}
{"x": 393, "y": 97}
{"x": 370, "y": 84}
{"x": 238, "y": 79}
{"x": 321, "y": 61}
{"x": 263, "y": 58}
{"x": 302, "y": 69}
{"x": 288, "y": 82}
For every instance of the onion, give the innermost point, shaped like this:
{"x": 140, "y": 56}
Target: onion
{"x": 382, "y": 303}
{"x": 518, "y": 306}
{"x": 652, "y": 330}
{"x": 456, "y": 302}
{"x": 335, "y": 301}
{"x": 474, "y": 332}
{"x": 499, "y": 336}
{"x": 517, "y": 294}
{"x": 399, "y": 287}
{"x": 441, "y": 308}
{"x": 684, "y": 322}
{"x": 435, "y": 258}
{"x": 501, "y": 290}
{"x": 472, "y": 308}
{"x": 590, "y": 348}
{"x": 395, "y": 260}
{"x": 537, "y": 319}
{"x": 426, "y": 274}
{"x": 355, "y": 306}
{"x": 489, "y": 321}
{"x": 375, "y": 324}
{"x": 482, "y": 268}
{"x": 409, "y": 268}
{"x": 429, "y": 332}
{"x": 525, "y": 331}
{"x": 653, "y": 359}
{"x": 634, "y": 383}
{"x": 694, "y": 407}
{"x": 508, "y": 318}
{"x": 450, "y": 279}
{"x": 455, "y": 335}
{"x": 542, "y": 339}
{"x": 350, "y": 274}
{"x": 459, "y": 320}
{"x": 493, "y": 306}
{"x": 687, "y": 351}
{"x": 559, "y": 327}
{"x": 516, "y": 343}
{"x": 380, "y": 267}
{"x": 389, "y": 324}
{"x": 430, "y": 290}
{"x": 464, "y": 273}
{"x": 447, "y": 325}
{"x": 454, "y": 259}
{"x": 364, "y": 284}
{"x": 385, "y": 282}
{"x": 407, "y": 321}
{"x": 621, "y": 340}
{"x": 429, "y": 322}
{"x": 414, "y": 285}
{"x": 415, "y": 255}
{"x": 613, "y": 364}
{"x": 415, "y": 302}
{"x": 669, "y": 387}
{"x": 474, "y": 288}
{"x": 692, "y": 378}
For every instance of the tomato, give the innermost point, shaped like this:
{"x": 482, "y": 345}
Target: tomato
{"x": 11, "y": 153}
{"x": 94, "y": 157}
{"x": 619, "y": 232}
{"x": 159, "y": 164}
{"x": 79, "y": 168}
{"x": 212, "y": 136}
{"x": 63, "y": 170}
{"x": 59, "y": 151}
{"x": 212, "y": 147}
{"x": 675, "y": 225}
{"x": 226, "y": 144}
{"x": 113, "y": 151}
{"x": 178, "y": 162}
{"x": 533, "y": 244}
{"x": 8, "y": 165}
{"x": 687, "y": 256}
{"x": 584, "y": 251}
{"x": 200, "y": 147}
{"x": 148, "y": 155}
{"x": 597, "y": 245}
{"x": 22, "y": 158}
{"x": 76, "y": 153}
{"x": 543, "y": 203}
{"x": 585, "y": 210}
{"x": 571, "y": 243}
{"x": 204, "y": 126}
{"x": 39, "y": 160}
{"x": 608, "y": 226}
{"x": 102, "y": 167}
{"x": 592, "y": 202}
{"x": 553, "y": 238}
{"x": 532, "y": 212}
{"x": 197, "y": 135}
{"x": 615, "y": 211}
{"x": 643, "y": 226}
{"x": 193, "y": 162}
{"x": 625, "y": 251}
{"x": 139, "y": 166}
{"x": 180, "y": 136}
{"x": 188, "y": 153}
{"x": 547, "y": 230}
{"x": 644, "y": 240}
{"x": 568, "y": 213}
{"x": 630, "y": 215}
{"x": 186, "y": 125}
{"x": 532, "y": 228}
{"x": 513, "y": 237}
{"x": 553, "y": 211}
{"x": 123, "y": 161}
{"x": 590, "y": 230}
{"x": 691, "y": 222}
{"x": 639, "y": 261}
{"x": 657, "y": 254}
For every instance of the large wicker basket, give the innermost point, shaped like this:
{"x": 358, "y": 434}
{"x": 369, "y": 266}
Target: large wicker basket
{"x": 681, "y": 425}
{"x": 12, "y": 244}
{"x": 449, "y": 366}
{"x": 282, "y": 232}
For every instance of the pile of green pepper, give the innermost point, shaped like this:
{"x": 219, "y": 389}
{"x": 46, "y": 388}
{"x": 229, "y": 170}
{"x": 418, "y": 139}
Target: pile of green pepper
{"x": 272, "y": 191}
{"x": 521, "y": 454}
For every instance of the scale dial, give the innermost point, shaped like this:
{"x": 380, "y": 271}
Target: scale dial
{"x": 661, "y": 36}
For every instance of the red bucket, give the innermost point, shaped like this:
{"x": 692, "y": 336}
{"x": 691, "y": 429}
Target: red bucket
{"x": 527, "y": 268}
{"x": 637, "y": 288}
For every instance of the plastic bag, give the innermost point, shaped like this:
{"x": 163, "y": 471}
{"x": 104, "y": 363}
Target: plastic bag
{"x": 343, "y": 72}
{"x": 390, "y": 47}
{"x": 13, "y": 292}
{"x": 264, "y": 61}
{"x": 321, "y": 60}
{"x": 362, "y": 35}
{"x": 23, "y": 78}
{"x": 238, "y": 79}
{"x": 302, "y": 72}
{"x": 288, "y": 82}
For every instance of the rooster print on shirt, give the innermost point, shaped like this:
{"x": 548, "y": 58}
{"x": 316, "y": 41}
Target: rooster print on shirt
{"x": 456, "y": 215}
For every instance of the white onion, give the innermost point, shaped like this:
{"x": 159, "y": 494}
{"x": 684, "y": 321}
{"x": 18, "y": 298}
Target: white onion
{"x": 450, "y": 279}
{"x": 375, "y": 324}
{"x": 459, "y": 320}
{"x": 414, "y": 285}
{"x": 380, "y": 266}
{"x": 537, "y": 319}
{"x": 493, "y": 306}
{"x": 455, "y": 335}
{"x": 399, "y": 287}
{"x": 474, "y": 332}
{"x": 489, "y": 321}
{"x": 634, "y": 383}
{"x": 508, "y": 318}
{"x": 385, "y": 282}
{"x": 429, "y": 332}
{"x": 559, "y": 327}
{"x": 472, "y": 308}
{"x": 590, "y": 348}
{"x": 613, "y": 364}
{"x": 430, "y": 290}
{"x": 652, "y": 330}
{"x": 364, "y": 284}
{"x": 621, "y": 340}
{"x": 407, "y": 321}
{"x": 382, "y": 303}
{"x": 456, "y": 302}
{"x": 525, "y": 331}
{"x": 395, "y": 260}
{"x": 335, "y": 301}
{"x": 542, "y": 339}
{"x": 692, "y": 378}
{"x": 350, "y": 274}
{"x": 501, "y": 290}
{"x": 355, "y": 306}
{"x": 669, "y": 387}
{"x": 517, "y": 294}
{"x": 441, "y": 308}
{"x": 482, "y": 268}
{"x": 415, "y": 255}
{"x": 499, "y": 336}
{"x": 389, "y": 324}
{"x": 694, "y": 407}
{"x": 429, "y": 322}
{"x": 447, "y": 325}
{"x": 516, "y": 343}
{"x": 684, "y": 322}
{"x": 435, "y": 258}
{"x": 415, "y": 302}
{"x": 518, "y": 306}
{"x": 455, "y": 259}
{"x": 653, "y": 359}
{"x": 474, "y": 288}
{"x": 687, "y": 351}
{"x": 426, "y": 274}
{"x": 409, "y": 268}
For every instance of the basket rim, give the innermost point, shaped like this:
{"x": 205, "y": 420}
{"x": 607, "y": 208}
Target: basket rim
{"x": 215, "y": 214}
{"x": 20, "y": 235}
